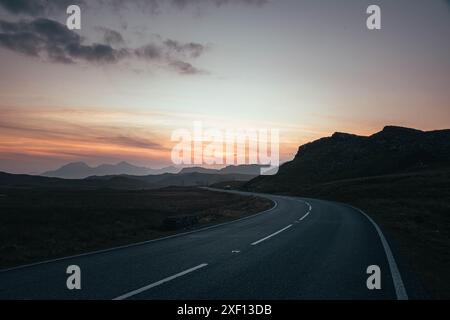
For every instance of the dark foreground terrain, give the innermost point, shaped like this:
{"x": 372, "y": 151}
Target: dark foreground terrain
{"x": 38, "y": 224}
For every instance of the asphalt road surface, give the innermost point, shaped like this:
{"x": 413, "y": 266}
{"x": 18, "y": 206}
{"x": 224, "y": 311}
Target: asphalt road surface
{"x": 299, "y": 249}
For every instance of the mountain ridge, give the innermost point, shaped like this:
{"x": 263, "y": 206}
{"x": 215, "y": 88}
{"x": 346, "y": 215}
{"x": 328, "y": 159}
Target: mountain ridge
{"x": 80, "y": 170}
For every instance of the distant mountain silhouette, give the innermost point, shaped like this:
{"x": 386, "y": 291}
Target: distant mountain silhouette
{"x": 129, "y": 182}
{"x": 198, "y": 170}
{"x": 191, "y": 179}
{"x": 346, "y": 156}
{"x": 252, "y": 169}
{"x": 247, "y": 169}
{"x": 80, "y": 170}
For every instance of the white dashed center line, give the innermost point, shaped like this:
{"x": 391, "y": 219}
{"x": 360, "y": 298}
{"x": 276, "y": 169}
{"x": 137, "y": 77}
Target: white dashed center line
{"x": 155, "y": 284}
{"x": 270, "y": 236}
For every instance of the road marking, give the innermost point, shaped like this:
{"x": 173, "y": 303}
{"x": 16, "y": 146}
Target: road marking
{"x": 307, "y": 213}
{"x": 270, "y": 236}
{"x": 236, "y": 251}
{"x": 155, "y": 284}
{"x": 399, "y": 286}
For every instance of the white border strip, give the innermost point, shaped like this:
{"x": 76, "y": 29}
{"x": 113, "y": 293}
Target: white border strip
{"x": 307, "y": 213}
{"x": 399, "y": 286}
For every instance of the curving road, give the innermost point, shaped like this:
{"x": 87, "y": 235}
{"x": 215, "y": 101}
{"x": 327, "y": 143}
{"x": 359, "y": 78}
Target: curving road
{"x": 299, "y": 249}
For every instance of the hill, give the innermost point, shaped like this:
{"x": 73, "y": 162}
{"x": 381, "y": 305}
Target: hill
{"x": 345, "y": 156}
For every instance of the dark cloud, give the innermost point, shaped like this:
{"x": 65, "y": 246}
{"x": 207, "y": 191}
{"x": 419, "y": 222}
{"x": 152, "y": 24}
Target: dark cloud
{"x": 169, "y": 50}
{"x": 38, "y": 37}
{"x": 165, "y": 52}
{"x": 40, "y": 7}
{"x": 23, "y": 6}
{"x": 99, "y": 53}
{"x": 35, "y": 7}
{"x": 25, "y": 43}
{"x": 218, "y": 3}
{"x": 50, "y": 40}
{"x": 191, "y": 49}
{"x": 183, "y": 67}
{"x": 156, "y": 6}
{"x": 150, "y": 52}
{"x": 112, "y": 37}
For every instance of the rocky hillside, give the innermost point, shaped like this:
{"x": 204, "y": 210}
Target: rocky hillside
{"x": 346, "y": 156}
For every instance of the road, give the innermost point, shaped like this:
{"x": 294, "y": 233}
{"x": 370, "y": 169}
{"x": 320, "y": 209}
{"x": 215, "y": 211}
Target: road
{"x": 299, "y": 249}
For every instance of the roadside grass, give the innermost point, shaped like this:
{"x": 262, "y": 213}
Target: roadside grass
{"x": 40, "y": 224}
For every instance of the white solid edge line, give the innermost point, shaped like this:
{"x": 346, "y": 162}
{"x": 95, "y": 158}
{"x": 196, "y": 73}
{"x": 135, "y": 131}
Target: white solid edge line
{"x": 157, "y": 283}
{"x": 271, "y": 235}
{"x": 399, "y": 286}
{"x": 307, "y": 213}
{"x": 136, "y": 244}
{"x": 309, "y": 209}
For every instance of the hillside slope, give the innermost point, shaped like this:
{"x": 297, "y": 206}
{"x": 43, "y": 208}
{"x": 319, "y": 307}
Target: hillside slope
{"x": 345, "y": 156}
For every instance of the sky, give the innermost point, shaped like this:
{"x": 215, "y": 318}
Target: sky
{"x": 138, "y": 70}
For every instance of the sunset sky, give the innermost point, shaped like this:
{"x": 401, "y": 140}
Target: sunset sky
{"x": 137, "y": 70}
